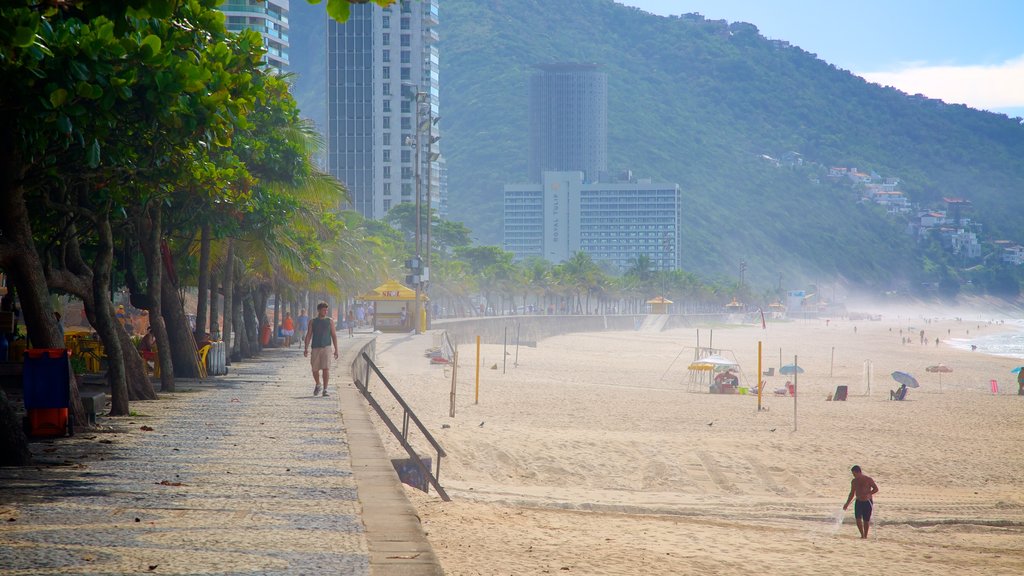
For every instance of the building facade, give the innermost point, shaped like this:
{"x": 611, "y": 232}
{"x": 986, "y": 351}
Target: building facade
{"x": 614, "y": 221}
{"x": 269, "y": 18}
{"x": 382, "y": 105}
{"x": 568, "y": 120}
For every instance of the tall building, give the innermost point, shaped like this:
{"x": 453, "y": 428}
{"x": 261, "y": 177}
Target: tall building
{"x": 269, "y": 18}
{"x": 613, "y": 220}
{"x": 568, "y": 120}
{"x": 382, "y": 105}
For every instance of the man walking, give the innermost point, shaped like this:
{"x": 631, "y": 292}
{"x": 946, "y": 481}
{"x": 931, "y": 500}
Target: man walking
{"x": 320, "y": 334}
{"x": 862, "y": 487}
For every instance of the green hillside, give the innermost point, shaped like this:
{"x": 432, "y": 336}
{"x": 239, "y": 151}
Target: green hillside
{"x": 697, "y": 102}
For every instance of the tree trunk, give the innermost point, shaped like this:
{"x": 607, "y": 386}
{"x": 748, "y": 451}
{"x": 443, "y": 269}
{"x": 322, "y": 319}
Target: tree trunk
{"x": 214, "y": 309}
{"x": 228, "y": 283}
{"x": 204, "y": 281}
{"x": 252, "y": 327}
{"x": 106, "y": 323}
{"x": 150, "y": 226}
{"x": 18, "y": 256}
{"x": 183, "y": 347}
{"x": 241, "y": 338}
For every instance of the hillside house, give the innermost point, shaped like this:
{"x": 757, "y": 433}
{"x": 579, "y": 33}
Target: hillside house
{"x": 931, "y": 219}
{"x": 1013, "y": 254}
{"x": 964, "y": 243}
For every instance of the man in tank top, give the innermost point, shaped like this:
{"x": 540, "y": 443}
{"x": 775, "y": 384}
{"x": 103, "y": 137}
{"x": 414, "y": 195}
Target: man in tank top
{"x": 319, "y": 336}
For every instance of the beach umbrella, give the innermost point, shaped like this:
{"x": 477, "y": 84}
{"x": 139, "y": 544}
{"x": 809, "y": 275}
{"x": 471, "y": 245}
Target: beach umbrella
{"x": 905, "y": 379}
{"x": 791, "y": 369}
{"x": 1017, "y": 369}
{"x": 940, "y": 369}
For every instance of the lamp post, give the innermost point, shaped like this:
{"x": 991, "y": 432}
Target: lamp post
{"x": 422, "y": 99}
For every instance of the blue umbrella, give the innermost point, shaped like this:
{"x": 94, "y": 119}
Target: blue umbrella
{"x": 791, "y": 369}
{"x": 1017, "y": 369}
{"x": 905, "y": 379}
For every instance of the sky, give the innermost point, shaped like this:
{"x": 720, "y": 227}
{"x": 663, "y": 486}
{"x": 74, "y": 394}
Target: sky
{"x": 959, "y": 51}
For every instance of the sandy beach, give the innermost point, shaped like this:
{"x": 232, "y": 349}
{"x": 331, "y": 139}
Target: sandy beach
{"x": 594, "y": 454}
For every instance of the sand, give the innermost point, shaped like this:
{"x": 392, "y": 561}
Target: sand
{"x": 592, "y": 454}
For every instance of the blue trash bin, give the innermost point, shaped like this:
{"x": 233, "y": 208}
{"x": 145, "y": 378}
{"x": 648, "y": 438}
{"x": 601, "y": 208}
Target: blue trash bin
{"x": 46, "y": 388}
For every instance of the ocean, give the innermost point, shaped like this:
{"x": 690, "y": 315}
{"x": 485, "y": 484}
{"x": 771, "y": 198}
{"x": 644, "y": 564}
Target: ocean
{"x": 1009, "y": 344}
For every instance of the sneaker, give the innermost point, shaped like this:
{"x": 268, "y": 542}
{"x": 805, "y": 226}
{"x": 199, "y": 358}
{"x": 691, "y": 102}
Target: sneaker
{"x": 325, "y": 392}
{"x": 316, "y": 391}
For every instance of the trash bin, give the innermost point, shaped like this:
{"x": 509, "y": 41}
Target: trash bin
{"x": 46, "y": 386}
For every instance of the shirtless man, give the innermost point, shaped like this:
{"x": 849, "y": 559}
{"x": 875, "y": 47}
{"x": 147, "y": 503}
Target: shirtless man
{"x": 862, "y": 487}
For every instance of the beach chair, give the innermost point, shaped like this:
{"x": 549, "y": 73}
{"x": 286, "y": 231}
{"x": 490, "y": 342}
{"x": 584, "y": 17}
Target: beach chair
{"x": 840, "y": 395}
{"x": 769, "y": 372}
{"x": 899, "y": 393}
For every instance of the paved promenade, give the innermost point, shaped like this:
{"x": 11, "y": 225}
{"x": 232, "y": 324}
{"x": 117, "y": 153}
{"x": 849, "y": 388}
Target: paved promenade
{"x": 240, "y": 474}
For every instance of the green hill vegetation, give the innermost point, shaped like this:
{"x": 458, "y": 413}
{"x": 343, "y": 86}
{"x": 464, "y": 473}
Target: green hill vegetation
{"x": 697, "y": 102}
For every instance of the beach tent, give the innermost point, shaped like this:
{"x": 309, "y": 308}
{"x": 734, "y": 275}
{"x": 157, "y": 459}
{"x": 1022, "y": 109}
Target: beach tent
{"x": 388, "y": 301}
{"x": 704, "y": 370}
{"x": 659, "y": 305}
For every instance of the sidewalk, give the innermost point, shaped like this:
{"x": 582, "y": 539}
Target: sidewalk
{"x": 240, "y": 474}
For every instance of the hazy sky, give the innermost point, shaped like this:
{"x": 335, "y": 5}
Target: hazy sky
{"x": 961, "y": 51}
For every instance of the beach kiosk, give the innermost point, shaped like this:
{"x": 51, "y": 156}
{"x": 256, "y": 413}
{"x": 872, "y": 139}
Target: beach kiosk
{"x": 659, "y": 305}
{"x": 394, "y": 306}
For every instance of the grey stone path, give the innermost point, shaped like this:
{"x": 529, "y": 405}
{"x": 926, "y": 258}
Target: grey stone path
{"x": 241, "y": 474}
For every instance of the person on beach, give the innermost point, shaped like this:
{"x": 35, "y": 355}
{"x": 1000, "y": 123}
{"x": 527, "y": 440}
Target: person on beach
{"x": 303, "y": 321}
{"x": 288, "y": 329}
{"x": 350, "y": 322}
{"x": 320, "y": 334}
{"x": 1020, "y": 382}
{"x": 862, "y": 487}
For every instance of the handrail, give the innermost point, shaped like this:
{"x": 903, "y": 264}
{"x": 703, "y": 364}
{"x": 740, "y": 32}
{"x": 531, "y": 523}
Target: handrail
{"x": 402, "y": 435}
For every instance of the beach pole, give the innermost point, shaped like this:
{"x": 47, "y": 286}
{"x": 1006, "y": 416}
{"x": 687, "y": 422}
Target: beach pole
{"x": 477, "y": 401}
{"x": 832, "y": 362}
{"x": 796, "y": 391}
{"x": 759, "y": 376}
{"x": 455, "y": 378}
{"x": 504, "y": 351}
{"x": 516, "y": 364}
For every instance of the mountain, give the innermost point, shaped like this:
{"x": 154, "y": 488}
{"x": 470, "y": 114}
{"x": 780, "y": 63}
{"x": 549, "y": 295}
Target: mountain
{"x": 699, "y": 103}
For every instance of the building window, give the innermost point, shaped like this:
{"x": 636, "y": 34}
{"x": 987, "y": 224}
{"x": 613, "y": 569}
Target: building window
{"x": 387, "y": 203}
{"x": 406, "y": 156}
{"x": 387, "y": 155}
{"x": 405, "y": 41}
{"x": 387, "y": 88}
{"x": 406, "y": 8}
{"x": 406, "y": 58}
{"x": 406, "y": 189}
{"x": 386, "y": 39}
{"x": 387, "y": 22}
{"x": 387, "y": 122}
{"x": 386, "y": 56}
{"x": 406, "y": 73}
{"x": 406, "y": 173}
{"x": 387, "y": 72}
{"x": 387, "y": 106}
{"x": 406, "y": 107}
{"x": 406, "y": 123}
{"x": 387, "y": 174}
{"x": 387, "y": 138}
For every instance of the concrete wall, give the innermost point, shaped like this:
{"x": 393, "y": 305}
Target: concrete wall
{"x": 532, "y": 329}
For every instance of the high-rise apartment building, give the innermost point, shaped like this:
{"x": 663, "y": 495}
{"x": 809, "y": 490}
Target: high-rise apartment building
{"x": 269, "y": 18}
{"x": 614, "y": 221}
{"x": 382, "y": 105}
{"x": 568, "y": 120}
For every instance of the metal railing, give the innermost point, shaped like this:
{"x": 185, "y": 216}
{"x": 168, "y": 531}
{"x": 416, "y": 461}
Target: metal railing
{"x": 407, "y": 415}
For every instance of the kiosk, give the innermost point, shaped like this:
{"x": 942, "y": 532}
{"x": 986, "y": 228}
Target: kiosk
{"x": 390, "y": 299}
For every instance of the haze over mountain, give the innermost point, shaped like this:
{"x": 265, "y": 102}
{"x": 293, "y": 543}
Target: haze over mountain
{"x": 700, "y": 103}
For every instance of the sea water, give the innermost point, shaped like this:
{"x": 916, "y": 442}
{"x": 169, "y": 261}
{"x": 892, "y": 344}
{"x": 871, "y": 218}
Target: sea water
{"x": 1009, "y": 344}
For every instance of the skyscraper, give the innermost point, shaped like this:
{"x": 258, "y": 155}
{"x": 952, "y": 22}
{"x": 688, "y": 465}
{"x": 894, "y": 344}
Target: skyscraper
{"x": 269, "y": 18}
{"x": 382, "y": 96}
{"x": 568, "y": 120}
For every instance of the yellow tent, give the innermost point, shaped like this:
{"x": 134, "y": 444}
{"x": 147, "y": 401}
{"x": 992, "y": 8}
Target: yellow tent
{"x": 394, "y": 307}
{"x": 392, "y": 291}
{"x": 659, "y": 305}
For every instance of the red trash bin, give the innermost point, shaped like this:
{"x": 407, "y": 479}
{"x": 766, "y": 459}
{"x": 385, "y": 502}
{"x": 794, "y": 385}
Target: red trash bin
{"x": 46, "y": 385}
{"x": 265, "y": 335}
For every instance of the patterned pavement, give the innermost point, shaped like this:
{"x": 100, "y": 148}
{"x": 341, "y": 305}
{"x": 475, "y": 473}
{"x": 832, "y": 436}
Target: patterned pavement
{"x": 240, "y": 474}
